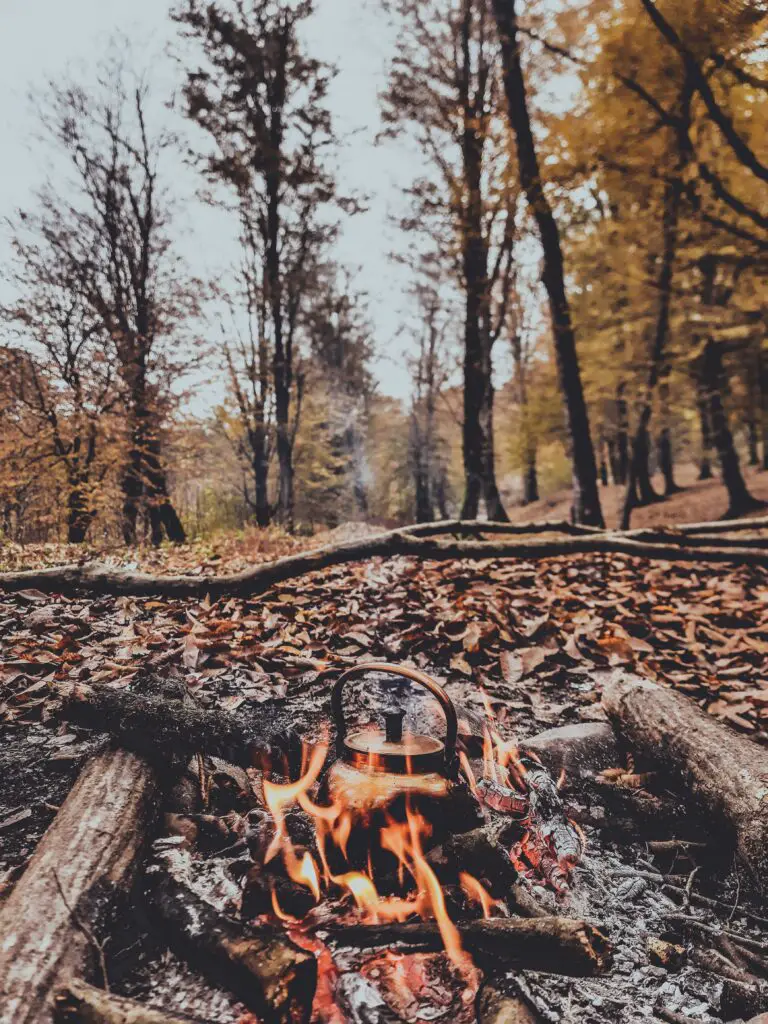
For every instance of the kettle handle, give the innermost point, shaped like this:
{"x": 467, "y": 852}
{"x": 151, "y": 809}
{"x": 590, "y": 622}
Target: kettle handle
{"x": 451, "y": 721}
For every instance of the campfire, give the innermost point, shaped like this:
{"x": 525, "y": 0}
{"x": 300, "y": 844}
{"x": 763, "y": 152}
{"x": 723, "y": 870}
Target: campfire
{"x": 400, "y": 868}
{"x": 410, "y": 850}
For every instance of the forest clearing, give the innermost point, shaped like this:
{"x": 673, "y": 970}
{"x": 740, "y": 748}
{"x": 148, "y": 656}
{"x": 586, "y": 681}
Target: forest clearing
{"x": 384, "y": 513}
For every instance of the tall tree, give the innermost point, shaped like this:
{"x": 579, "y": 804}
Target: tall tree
{"x": 586, "y": 501}
{"x": 262, "y": 100}
{"x": 113, "y": 235}
{"x": 444, "y": 87}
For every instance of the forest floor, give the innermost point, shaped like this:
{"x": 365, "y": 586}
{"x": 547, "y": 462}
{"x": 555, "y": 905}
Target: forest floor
{"x": 230, "y": 552}
{"x": 697, "y": 501}
{"x": 528, "y": 641}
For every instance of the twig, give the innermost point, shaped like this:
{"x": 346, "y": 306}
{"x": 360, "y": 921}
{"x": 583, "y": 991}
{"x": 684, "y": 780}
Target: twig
{"x": 689, "y": 888}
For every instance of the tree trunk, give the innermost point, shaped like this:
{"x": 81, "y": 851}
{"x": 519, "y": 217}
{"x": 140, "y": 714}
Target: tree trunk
{"x": 79, "y": 515}
{"x": 763, "y": 381}
{"x": 530, "y": 477}
{"x": 260, "y": 467}
{"x": 673, "y": 195}
{"x": 477, "y": 439}
{"x": 705, "y": 466}
{"x": 664, "y": 444}
{"x": 586, "y": 501}
{"x": 752, "y": 440}
{"x": 739, "y": 498}
{"x": 622, "y": 436}
{"x": 645, "y": 494}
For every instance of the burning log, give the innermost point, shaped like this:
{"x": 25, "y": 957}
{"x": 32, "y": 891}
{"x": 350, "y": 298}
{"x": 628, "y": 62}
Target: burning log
{"x": 726, "y": 774}
{"x": 50, "y": 923}
{"x": 80, "y": 1003}
{"x": 270, "y": 974}
{"x": 553, "y": 944}
{"x": 496, "y": 1005}
{"x": 486, "y": 858}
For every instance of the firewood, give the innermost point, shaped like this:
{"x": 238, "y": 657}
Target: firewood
{"x": 50, "y": 924}
{"x": 726, "y": 774}
{"x": 97, "y": 579}
{"x": 265, "y": 970}
{"x": 484, "y": 857}
{"x": 165, "y": 730}
{"x": 80, "y": 1003}
{"x": 496, "y": 1005}
{"x": 558, "y": 945}
{"x": 743, "y": 999}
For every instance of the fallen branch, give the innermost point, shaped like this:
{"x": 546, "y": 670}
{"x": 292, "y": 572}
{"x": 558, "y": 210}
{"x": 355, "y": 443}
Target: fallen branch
{"x": 554, "y": 944}
{"x": 726, "y": 774}
{"x": 49, "y": 923}
{"x": 80, "y": 1003}
{"x": 96, "y": 579}
{"x": 265, "y": 970}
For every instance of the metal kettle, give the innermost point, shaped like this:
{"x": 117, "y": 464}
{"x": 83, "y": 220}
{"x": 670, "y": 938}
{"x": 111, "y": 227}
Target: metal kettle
{"x": 376, "y": 765}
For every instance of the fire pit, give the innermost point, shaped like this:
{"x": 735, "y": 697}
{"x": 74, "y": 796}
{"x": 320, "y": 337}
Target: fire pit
{"x": 350, "y": 882}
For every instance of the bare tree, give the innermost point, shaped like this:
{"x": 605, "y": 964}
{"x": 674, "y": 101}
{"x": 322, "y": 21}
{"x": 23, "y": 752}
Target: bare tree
{"x": 261, "y": 99}
{"x": 444, "y": 87}
{"x": 113, "y": 235}
{"x": 586, "y": 500}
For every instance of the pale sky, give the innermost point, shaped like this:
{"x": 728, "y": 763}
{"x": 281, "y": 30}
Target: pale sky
{"x": 40, "y": 39}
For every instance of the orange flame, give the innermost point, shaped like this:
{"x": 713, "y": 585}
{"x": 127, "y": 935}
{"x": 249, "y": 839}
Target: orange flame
{"x": 476, "y": 891}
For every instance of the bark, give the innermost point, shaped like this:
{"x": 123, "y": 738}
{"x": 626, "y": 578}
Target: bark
{"x": 673, "y": 196}
{"x": 740, "y": 500}
{"x": 477, "y": 438}
{"x": 586, "y": 501}
{"x": 265, "y": 970}
{"x": 558, "y": 944}
{"x": 763, "y": 382}
{"x": 79, "y": 515}
{"x": 645, "y": 493}
{"x": 260, "y": 467}
{"x": 726, "y": 774}
{"x": 705, "y": 466}
{"x": 80, "y": 1003}
{"x": 666, "y": 460}
{"x": 530, "y": 478}
{"x": 85, "y": 861}
{"x": 94, "y": 578}
{"x": 621, "y": 466}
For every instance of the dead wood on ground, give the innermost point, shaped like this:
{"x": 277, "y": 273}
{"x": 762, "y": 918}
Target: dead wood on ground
{"x": 173, "y": 730}
{"x": 50, "y": 923}
{"x": 726, "y": 774}
{"x": 265, "y": 970}
{"x": 97, "y": 579}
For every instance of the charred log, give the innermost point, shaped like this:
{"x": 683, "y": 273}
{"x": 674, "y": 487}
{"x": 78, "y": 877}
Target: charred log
{"x": 171, "y": 730}
{"x": 541, "y": 944}
{"x": 260, "y": 966}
